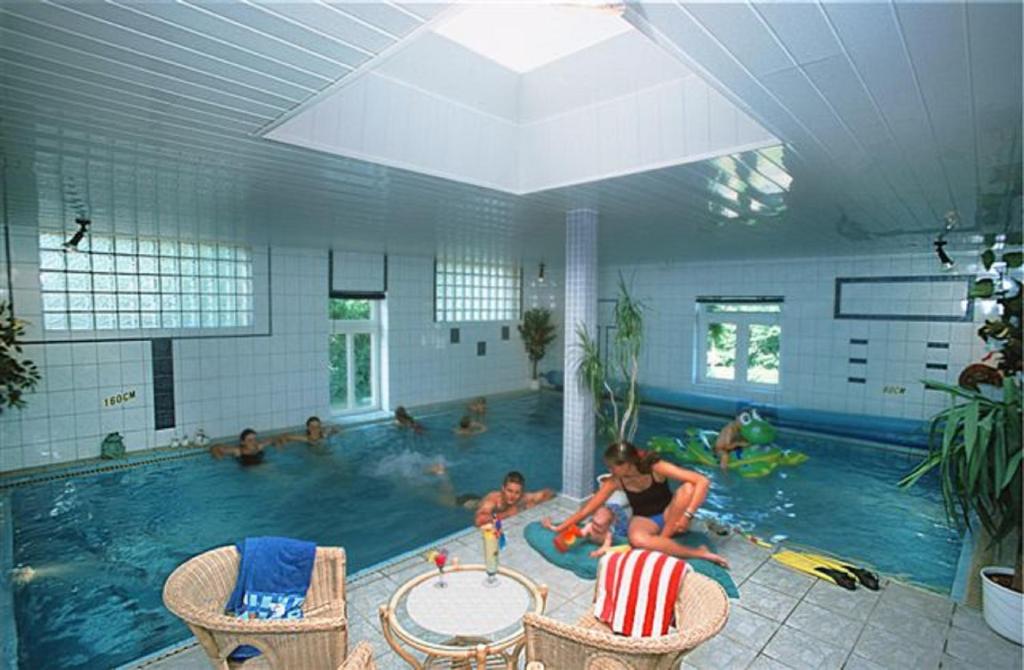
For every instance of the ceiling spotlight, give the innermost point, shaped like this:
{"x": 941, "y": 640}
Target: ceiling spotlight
{"x": 940, "y": 251}
{"x": 83, "y": 228}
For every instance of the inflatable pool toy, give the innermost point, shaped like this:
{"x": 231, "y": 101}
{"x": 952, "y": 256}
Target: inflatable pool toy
{"x": 567, "y": 538}
{"x": 752, "y": 462}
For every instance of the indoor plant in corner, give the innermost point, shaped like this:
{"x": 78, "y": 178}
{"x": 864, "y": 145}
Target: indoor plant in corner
{"x": 537, "y": 331}
{"x": 976, "y": 447}
{"x": 17, "y": 375}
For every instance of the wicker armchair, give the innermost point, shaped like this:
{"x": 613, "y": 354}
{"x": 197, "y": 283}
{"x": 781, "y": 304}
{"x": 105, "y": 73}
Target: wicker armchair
{"x": 361, "y": 658}
{"x": 701, "y": 611}
{"x": 198, "y": 589}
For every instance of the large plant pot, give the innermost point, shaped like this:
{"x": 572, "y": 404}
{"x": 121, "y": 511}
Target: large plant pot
{"x": 1002, "y": 607}
{"x": 535, "y": 384}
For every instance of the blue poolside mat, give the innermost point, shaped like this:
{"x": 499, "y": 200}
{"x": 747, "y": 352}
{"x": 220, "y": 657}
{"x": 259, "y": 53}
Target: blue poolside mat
{"x": 578, "y": 561}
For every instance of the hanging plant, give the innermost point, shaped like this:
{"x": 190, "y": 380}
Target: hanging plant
{"x": 17, "y": 376}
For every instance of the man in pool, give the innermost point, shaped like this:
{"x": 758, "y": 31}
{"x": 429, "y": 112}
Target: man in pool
{"x": 249, "y": 450}
{"x": 510, "y": 500}
{"x": 405, "y": 420}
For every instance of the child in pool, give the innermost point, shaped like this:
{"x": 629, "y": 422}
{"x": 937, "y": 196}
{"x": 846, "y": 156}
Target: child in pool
{"x": 728, "y": 441}
{"x": 405, "y": 420}
{"x": 467, "y": 426}
{"x": 478, "y": 406}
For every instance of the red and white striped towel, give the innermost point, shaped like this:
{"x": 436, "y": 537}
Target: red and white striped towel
{"x": 637, "y": 591}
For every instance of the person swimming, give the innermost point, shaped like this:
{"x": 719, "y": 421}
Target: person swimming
{"x": 467, "y": 427}
{"x": 316, "y": 433}
{"x": 249, "y": 450}
{"x": 405, "y": 420}
{"x": 478, "y": 406}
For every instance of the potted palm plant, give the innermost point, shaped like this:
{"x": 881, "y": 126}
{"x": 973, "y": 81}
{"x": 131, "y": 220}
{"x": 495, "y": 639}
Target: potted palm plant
{"x": 976, "y": 448}
{"x": 537, "y": 331}
{"x": 17, "y": 375}
{"x": 613, "y": 381}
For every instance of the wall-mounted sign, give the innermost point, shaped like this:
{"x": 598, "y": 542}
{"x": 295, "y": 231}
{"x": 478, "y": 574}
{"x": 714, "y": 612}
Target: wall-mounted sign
{"x": 894, "y": 390}
{"x": 122, "y": 398}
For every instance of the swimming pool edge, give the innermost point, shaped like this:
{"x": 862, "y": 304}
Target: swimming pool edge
{"x": 8, "y": 625}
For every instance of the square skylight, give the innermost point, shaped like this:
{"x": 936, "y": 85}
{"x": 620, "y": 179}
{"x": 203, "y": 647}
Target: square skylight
{"x": 524, "y": 37}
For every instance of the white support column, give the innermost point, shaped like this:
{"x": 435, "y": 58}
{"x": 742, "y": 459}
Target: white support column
{"x": 580, "y": 311}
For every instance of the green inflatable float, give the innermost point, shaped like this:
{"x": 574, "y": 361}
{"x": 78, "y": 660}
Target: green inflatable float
{"x": 757, "y": 460}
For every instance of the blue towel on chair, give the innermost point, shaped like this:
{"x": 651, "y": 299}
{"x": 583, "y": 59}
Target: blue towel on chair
{"x": 273, "y": 577}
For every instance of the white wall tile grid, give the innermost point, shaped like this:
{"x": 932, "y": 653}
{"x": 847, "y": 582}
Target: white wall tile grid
{"x": 581, "y": 291}
{"x": 816, "y": 348}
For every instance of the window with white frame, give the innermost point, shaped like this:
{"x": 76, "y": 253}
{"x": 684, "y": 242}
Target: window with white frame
{"x": 477, "y": 290}
{"x": 354, "y": 354}
{"x": 738, "y": 340}
{"x": 122, "y": 282}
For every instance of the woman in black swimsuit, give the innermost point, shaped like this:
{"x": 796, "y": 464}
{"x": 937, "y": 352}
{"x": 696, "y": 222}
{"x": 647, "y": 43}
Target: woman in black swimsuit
{"x": 658, "y": 514}
{"x": 248, "y": 452}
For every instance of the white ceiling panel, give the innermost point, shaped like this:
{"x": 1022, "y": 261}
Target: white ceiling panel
{"x": 801, "y": 29}
{"x": 738, "y": 29}
{"x": 144, "y": 115}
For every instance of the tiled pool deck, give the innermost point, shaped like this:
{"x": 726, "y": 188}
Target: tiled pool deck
{"x": 783, "y": 619}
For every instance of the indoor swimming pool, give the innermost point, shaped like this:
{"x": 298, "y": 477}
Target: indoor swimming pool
{"x": 101, "y": 545}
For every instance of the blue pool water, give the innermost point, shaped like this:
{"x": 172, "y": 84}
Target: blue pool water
{"x": 102, "y": 545}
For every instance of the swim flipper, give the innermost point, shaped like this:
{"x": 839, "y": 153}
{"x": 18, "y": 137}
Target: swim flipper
{"x": 840, "y": 577}
{"x": 867, "y": 579}
{"x": 811, "y": 565}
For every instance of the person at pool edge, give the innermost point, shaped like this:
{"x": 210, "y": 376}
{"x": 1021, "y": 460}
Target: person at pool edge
{"x": 510, "y": 500}
{"x": 315, "y": 433}
{"x": 249, "y": 450}
{"x": 658, "y": 514}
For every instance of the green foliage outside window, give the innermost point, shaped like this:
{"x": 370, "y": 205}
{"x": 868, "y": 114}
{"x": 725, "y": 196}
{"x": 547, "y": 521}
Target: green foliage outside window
{"x": 341, "y": 309}
{"x": 763, "y": 354}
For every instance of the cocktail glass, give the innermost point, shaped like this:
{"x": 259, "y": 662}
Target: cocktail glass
{"x": 490, "y": 555}
{"x": 439, "y": 560}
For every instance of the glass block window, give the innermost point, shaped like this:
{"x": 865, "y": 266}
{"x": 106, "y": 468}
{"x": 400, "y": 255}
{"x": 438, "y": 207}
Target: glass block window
{"x": 116, "y": 282}
{"x": 477, "y": 291}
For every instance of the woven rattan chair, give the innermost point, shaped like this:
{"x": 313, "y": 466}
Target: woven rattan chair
{"x": 199, "y": 588}
{"x": 701, "y": 611}
{"x": 361, "y": 658}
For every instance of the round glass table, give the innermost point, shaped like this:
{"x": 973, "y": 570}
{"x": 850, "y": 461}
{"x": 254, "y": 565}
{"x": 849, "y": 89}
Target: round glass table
{"x": 472, "y": 621}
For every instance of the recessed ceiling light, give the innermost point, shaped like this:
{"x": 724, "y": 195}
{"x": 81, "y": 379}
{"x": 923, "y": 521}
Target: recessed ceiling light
{"x": 525, "y": 37}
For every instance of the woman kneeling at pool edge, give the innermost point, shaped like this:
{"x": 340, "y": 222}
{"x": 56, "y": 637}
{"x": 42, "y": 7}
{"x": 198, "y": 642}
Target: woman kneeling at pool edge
{"x": 658, "y": 514}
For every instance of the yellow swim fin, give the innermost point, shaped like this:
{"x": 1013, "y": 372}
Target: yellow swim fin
{"x": 807, "y": 564}
{"x": 867, "y": 578}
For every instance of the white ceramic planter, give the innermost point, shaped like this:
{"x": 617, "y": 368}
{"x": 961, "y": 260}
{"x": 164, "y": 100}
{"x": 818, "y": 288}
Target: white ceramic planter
{"x": 535, "y": 384}
{"x": 1002, "y": 607}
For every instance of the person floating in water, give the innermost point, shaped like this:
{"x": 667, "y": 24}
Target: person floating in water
{"x": 467, "y": 427}
{"x": 510, "y": 500}
{"x": 658, "y": 513}
{"x": 248, "y": 451}
{"x": 730, "y": 440}
{"x": 405, "y": 420}
{"x": 316, "y": 433}
{"x": 478, "y": 407}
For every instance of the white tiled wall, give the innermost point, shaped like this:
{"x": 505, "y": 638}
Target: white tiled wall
{"x": 223, "y": 384}
{"x": 424, "y": 366}
{"x": 815, "y": 347}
